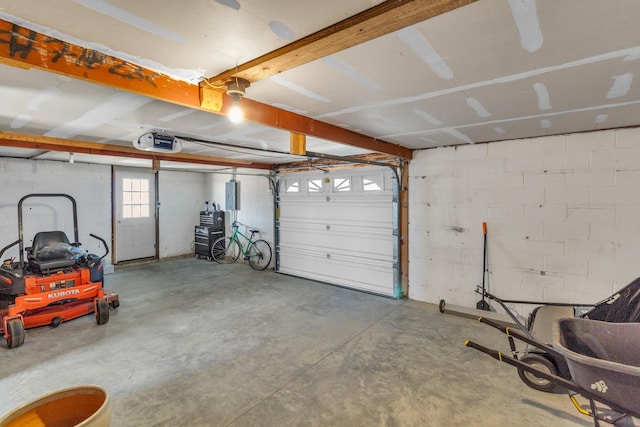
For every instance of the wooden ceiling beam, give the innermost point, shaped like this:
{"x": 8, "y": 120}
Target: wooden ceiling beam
{"x": 25, "y": 48}
{"x": 10, "y": 139}
{"x": 385, "y": 18}
{"x": 275, "y": 117}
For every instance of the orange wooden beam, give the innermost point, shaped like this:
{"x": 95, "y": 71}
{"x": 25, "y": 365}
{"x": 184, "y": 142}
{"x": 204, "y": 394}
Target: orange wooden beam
{"x": 26, "y": 48}
{"x": 10, "y": 139}
{"x": 275, "y": 117}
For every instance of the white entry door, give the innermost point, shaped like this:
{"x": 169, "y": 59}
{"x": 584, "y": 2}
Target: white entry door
{"x": 339, "y": 228}
{"x": 135, "y": 214}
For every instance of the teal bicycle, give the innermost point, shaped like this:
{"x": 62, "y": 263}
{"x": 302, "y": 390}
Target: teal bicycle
{"x": 227, "y": 250}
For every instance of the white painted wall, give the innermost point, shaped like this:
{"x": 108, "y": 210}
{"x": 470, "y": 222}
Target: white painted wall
{"x": 256, "y": 202}
{"x": 562, "y": 215}
{"x": 182, "y": 196}
{"x": 89, "y": 185}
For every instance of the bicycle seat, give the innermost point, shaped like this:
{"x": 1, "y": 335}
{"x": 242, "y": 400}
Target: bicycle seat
{"x": 254, "y": 231}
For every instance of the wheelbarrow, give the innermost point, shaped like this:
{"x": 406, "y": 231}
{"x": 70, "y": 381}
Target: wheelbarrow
{"x": 603, "y": 360}
{"x": 621, "y": 307}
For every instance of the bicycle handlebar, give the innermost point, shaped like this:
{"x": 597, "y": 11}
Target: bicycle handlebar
{"x": 237, "y": 224}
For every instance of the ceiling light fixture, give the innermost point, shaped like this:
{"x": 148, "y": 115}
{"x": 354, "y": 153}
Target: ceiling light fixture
{"x": 236, "y": 90}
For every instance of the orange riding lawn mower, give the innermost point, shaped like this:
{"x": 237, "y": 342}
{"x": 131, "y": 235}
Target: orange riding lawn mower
{"x": 59, "y": 281}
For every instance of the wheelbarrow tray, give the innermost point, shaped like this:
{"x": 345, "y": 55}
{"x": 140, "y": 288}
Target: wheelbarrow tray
{"x": 603, "y": 358}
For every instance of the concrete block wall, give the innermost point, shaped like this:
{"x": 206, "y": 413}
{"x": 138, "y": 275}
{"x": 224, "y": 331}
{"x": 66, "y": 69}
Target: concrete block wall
{"x": 89, "y": 185}
{"x": 562, "y": 214}
{"x": 256, "y": 201}
{"x": 182, "y": 197}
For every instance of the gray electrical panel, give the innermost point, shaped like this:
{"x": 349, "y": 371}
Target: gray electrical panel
{"x": 232, "y": 196}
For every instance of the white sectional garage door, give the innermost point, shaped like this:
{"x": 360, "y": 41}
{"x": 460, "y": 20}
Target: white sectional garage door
{"x": 338, "y": 227}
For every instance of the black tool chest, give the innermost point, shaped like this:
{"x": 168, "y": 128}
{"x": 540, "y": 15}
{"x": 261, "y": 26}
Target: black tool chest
{"x": 210, "y": 229}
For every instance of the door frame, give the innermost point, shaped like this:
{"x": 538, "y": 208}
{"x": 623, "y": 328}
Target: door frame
{"x": 398, "y": 219}
{"x": 156, "y": 205}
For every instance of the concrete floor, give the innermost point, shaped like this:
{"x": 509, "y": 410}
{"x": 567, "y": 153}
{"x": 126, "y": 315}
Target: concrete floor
{"x": 199, "y": 344}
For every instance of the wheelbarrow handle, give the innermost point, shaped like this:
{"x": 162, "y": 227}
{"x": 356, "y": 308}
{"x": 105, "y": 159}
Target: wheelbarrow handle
{"x": 511, "y": 333}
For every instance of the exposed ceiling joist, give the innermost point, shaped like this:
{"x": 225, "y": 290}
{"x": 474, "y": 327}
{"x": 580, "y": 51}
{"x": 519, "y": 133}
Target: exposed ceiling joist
{"x": 385, "y": 18}
{"x": 287, "y": 120}
{"x": 11, "y": 139}
{"x": 26, "y": 48}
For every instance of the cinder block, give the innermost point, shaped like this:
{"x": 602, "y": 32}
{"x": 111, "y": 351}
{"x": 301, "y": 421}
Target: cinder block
{"x": 471, "y": 212}
{"x": 486, "y": 166}
{"x": 628, "y": 251}
{"x": 571, "y": 195}
{"x": 554, "y": 145}
{"x": 550, "y": 179}
{"x": 501, "y": 212}
{"x": 566, "y": 265}
{"x": 498, "y": 149}
{"x": 602, "y": 231}
{"x": 614, "y": 195}
{"x": 545, "y": 283}
{"x": 589, "y": 178}
{"x": 544, "y": 247}
{"x": 524, "y": 230}
{"x": 419, "y": 211}
{"x": 620, "y": 271}
{"x": 624, "y": 158}
{"x": 566, "y": 161}
{"x": 564, "y": 230}
{"x": 628, "y": 138}
{"x": 516, "y": 258}
{"x": 588, "y": 290}
{"x": 627, "y": 213}
{"x": 504, "y": 180}
{"x": 472, "y": 151}
{"x": 524, "y": 196}
{"x": 533, "y": 162}
{"x": 545, "y": 212}
{"x": 628, "y": 178}
{"x": 592, "y": 214}
{"x": 605, "y": 159}
{"x": 527, "y": 147}
{"x": 590, "y": 249}
{"x": 491, "y": 196}
{"x": 437, "y": 155}
{"x": 591, "y": 141}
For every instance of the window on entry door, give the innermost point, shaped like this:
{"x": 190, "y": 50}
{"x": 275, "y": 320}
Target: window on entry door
{"x": 135, "y": 198}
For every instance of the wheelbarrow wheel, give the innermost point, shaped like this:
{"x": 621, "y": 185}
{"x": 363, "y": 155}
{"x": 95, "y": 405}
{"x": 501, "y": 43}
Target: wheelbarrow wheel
{"x": 544, "y": 364}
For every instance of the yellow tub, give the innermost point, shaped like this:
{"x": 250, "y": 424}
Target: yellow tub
{"x": 81, "y": 406}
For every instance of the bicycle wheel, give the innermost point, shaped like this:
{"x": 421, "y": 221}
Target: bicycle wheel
{"x": 225, "y": 250}
{"x": 259, "y": 254}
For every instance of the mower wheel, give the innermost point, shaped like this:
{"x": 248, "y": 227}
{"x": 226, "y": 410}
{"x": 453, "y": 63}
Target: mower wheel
{"x": 15, "y": 328}
{"x": 441, "y": 306}
{"x": 55, "y": 322}
{"x": 115, "y": 303}
{"x": 544, "y": 364}
{"x": 102, "y": 311}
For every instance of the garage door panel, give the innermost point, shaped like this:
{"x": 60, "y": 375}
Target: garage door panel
{"x": 344, "y": 238}
{"x": 344, "y": 242}
{"x": 342, "y": 270}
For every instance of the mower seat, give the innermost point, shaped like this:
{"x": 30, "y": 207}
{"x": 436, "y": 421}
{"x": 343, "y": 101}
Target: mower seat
{"x": 42, "y": 256}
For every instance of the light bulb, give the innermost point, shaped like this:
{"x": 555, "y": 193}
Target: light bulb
{"x": 235, "y": 112}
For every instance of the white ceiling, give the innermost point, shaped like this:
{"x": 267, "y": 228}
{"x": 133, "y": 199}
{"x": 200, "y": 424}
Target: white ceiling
{"x": 492, "y": 70}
